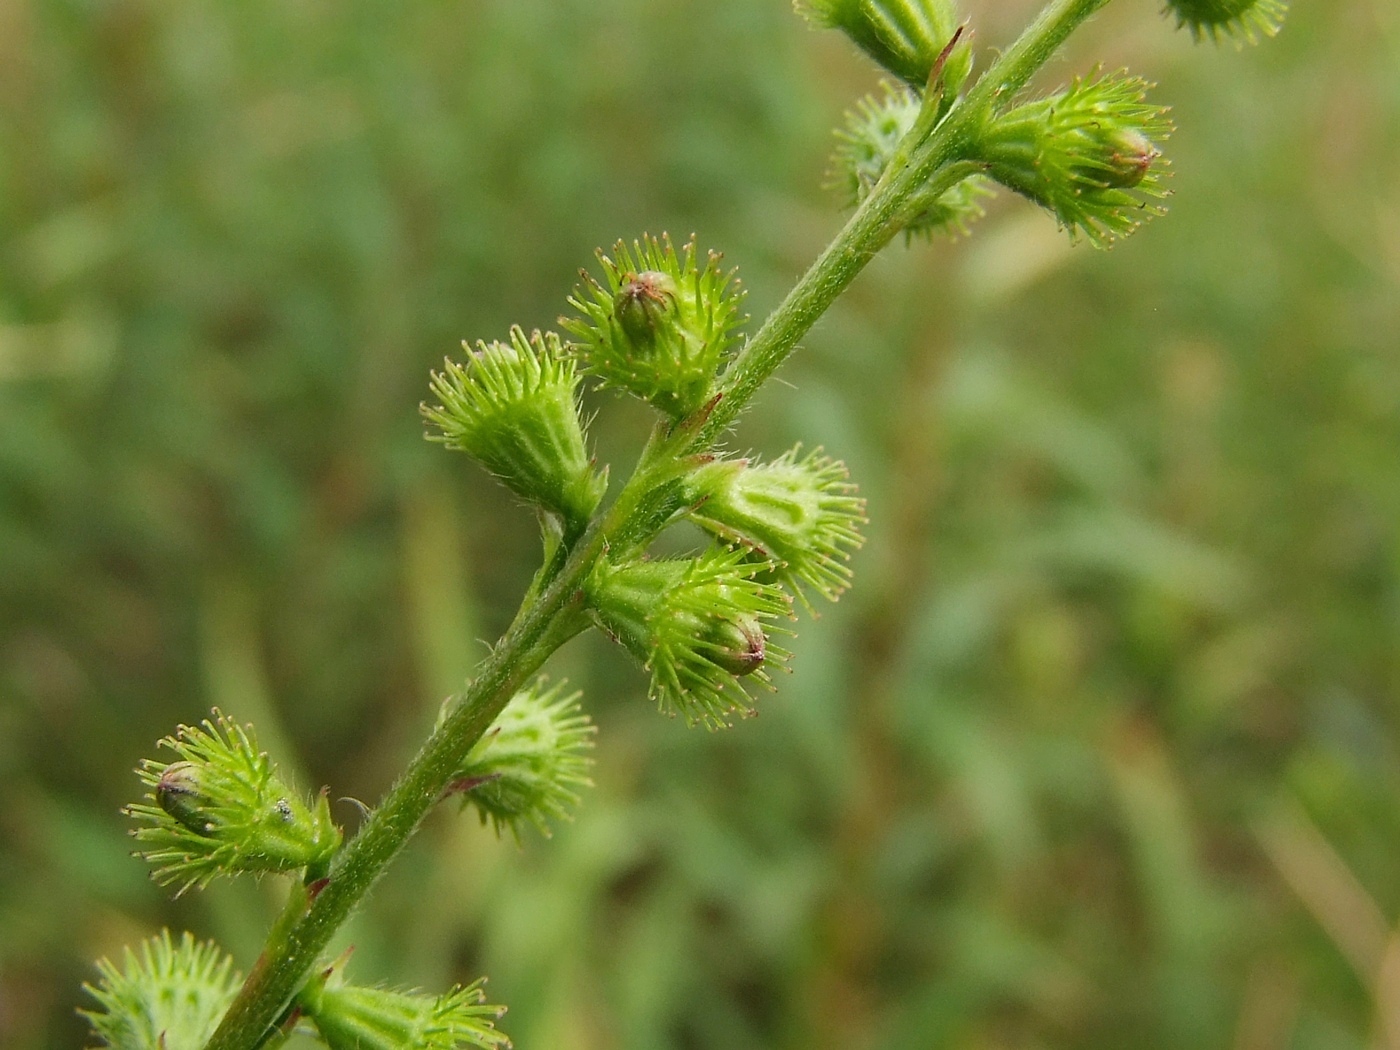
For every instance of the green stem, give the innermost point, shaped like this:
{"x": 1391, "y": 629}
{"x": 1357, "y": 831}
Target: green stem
{"x": 549, "y": 618}
{"x": 874, "y": 222}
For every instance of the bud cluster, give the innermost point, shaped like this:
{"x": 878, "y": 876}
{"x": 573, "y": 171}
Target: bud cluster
{"x": 528, "y": 766}
{"x": 222, "y": 810}
{"x": 659, "y": 325}
{"x": 351, "y": 1017}
{"x": 699, "y": 625}
{"x": 1087, "y": 154}
{"x": 514, "y": 408}
{"x": 166, "y": 997}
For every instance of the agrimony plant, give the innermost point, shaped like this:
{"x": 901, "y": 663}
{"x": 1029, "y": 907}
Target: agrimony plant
{"x": 665, "y": 327}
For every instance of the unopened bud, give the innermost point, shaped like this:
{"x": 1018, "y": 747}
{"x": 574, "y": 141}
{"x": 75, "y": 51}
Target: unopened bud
{"x": 514, "y": 408}
{"x": 642, "y": 303}
{"x": 1242, "y": 21}
{"x": 800, "y": 512}
{"x": 738, "y": 646}
{"x": 699, "y": 625}
{"x": 906, "y": 37}
{"x": 351, "y": 1017}
{"x": 867, "y": 145}
{"x": 164, "y": 997}
{"x": 1086, "y": 154}
{"x": 177, "y": 792}
{"x": 529, "y": 765}
{"x": 221, "y": 809}
{"x": 658, "y": 325}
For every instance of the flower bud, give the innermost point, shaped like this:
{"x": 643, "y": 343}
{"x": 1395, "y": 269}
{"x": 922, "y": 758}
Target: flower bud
{"x": 1240, "y": 20}
{"x": 867, "y": 145}
{"x": 1086, "y": 154}
{"x": 178, "y": 793}
{"x": 349, "y": 1017}
{"x": 164, "y": 998}
{"x": 906, "y": 37}
{"x": 642, "y": 304}
{"x": 699, "y": 625}
{"x": 528, "y": 765}
{"x": 658, "y": 326}
{"x": 514, "y": 408}
{"x": 800, "y": 512}
{"x": 222, "y": 809}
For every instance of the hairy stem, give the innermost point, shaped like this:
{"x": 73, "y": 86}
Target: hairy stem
{"x": 553, "y": 614}
{"x": 916, "y": 164}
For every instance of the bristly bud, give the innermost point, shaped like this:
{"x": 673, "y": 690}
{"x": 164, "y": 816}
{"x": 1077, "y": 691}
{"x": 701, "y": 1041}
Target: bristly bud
{"x": 514, "y": 408}
{"x": 659, "y": 325}
{"x": 906, "y": 37}
{"x": 799, "y": 512}
{"x": 349, "y": 1017}
{"x": 699, "y": 625}
{"x": 530, "y": 763}
{"x": 864, "y": 151}
{"x": 1088, "y": 154}
{"x": 164, "y": 998}
{"x": 1243, "y": 21}
{"x": 221, "y": 810}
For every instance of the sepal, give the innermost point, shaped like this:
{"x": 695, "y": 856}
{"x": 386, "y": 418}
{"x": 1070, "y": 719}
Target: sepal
{"x": 528, "y": 767}
{"x": 906, "y": 37}
{"x": 349, "y": 1017}
{"x": 166, "y": 997}
{"x": 699, "y": 625}
{"x": 514, "y": 408}
{"x": 1242, "y": 21}
{"x": 799, "y": 512}
{"x": 1087, "y": 154}
{"x": 867, "y": 144}
{"x": 659, "y": 325}
{"x": 221, "y": 810}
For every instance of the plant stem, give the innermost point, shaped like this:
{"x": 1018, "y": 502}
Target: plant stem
{"x": 872, "y": 225}
{"x": 555, "y": 614}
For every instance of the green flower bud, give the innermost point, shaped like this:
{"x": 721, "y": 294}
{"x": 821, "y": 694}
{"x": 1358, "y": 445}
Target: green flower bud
{"x": 514, "y": 408}
{"x": 164, "y": 998}
{"x": 1086, "y": 154}
{"x": 799, "y": 512}
{"x": 529, "y": 764}
{"x": 907, "y": 37}
{"x": 643, "y": 303}
{"x": 658, "y": 326}
{"x": 1240, "y": 20}
{"x": 699, "y": 625}
{"x": 866, "y": 145}
{"x": 222, "y": 809}
{"x": 348, "y": 1017}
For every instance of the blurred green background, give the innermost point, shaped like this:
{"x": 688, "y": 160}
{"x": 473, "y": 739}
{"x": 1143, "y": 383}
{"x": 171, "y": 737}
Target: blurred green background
{"x": 1103, "y": 749}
